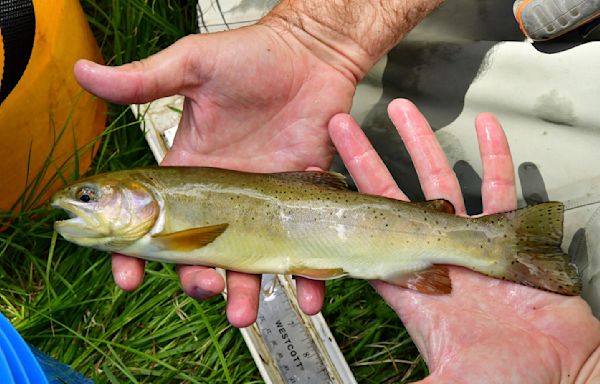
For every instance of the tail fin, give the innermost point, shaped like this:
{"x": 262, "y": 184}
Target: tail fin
{"x": 539, "y": 261}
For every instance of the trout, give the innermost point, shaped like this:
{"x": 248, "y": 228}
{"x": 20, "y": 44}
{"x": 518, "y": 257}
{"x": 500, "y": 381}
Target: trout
{"x": 309, "y": 224}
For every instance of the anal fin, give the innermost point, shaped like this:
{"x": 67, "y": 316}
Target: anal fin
{"x": 434, "y": 280}
{"x": 189, "y": 239}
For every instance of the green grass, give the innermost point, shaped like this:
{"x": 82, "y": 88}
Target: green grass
{"x": 63, "y": 300}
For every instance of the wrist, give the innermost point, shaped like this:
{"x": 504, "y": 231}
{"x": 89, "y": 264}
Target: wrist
{"x": 350, "y": 35}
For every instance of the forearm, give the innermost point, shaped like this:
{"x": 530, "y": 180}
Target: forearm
{"x": 350, "y": 34}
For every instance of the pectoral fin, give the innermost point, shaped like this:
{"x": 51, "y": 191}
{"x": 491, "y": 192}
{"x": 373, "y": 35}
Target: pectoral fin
{"x": 189, "y": 239}
{"x": 319, "y": 274}
{"x": 434, "y": 280}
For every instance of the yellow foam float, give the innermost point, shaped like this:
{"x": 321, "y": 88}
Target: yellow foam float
{"x": 45, "y": 116}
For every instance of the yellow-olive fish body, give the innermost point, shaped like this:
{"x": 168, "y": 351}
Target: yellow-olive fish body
{"x": 309, "y": 224}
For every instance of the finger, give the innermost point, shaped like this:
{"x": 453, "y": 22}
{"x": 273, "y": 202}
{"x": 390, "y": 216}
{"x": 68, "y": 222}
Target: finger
{"x": 498, "y": 190}
{"x": 364, "y": 164}
{"x": 315, "y": 169}
{"x": 437, "y": 178}
{"x": 242, "y": 298}
{"x": 179, "y": 157}
{"x": 311, "y": 294}
{"x": 164, "y": 74}
{"x": 128, "y": 271}
{"x": 200, "y": 282}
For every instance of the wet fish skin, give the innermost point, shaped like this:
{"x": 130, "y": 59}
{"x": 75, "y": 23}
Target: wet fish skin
{"x": 307, "y": 223}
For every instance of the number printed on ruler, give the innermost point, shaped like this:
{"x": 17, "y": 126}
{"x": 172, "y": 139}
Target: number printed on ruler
{"x": 287, "y": 339}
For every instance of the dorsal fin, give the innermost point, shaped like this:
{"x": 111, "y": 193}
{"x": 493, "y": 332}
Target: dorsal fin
{"x": 439, "y": 205}
{"x": 325, "y": 179}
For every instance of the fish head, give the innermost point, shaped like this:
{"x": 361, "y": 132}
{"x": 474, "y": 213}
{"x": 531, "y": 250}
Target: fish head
{"x": 105, "y": 212}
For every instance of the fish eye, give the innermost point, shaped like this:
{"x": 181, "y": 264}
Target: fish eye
{"x": 86, "y": 194}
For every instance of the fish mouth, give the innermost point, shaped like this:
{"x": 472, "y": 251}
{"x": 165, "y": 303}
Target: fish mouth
{"x": 76, "y": 226}
{"x": 74, "y": 217}
{"x": 69, "y": 212}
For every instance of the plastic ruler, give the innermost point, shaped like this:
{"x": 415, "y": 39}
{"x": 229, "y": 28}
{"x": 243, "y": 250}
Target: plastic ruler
{"x": 287, "y": 345}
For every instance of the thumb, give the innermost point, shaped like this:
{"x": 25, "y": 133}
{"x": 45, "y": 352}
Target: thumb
{"x": 166, "y": 73}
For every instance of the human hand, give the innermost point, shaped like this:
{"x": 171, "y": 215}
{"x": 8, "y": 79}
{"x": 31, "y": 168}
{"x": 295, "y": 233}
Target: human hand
{"x": 487, "y": 330}
{"x": 258, "y": 99}
{"x": 255, "y": 100}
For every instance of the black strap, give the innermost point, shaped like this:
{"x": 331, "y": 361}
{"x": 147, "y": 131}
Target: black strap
{"x": 17, "y": 25}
